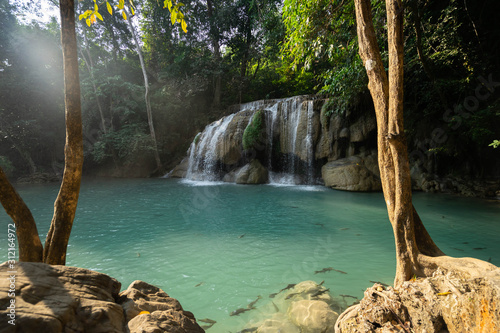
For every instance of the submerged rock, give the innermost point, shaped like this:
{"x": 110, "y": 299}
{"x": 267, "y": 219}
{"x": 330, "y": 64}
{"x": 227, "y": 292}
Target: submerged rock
{"x": 305, "y": 307}
{"x": 312, "y": 316}
{"x": 70, "y": 299}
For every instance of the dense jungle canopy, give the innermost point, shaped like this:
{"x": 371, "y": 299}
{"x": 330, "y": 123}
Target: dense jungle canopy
{"x": 238, "y": 51}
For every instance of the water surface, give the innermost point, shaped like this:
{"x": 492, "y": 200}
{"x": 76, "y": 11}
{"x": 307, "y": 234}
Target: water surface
{"x": 217, "y": 246}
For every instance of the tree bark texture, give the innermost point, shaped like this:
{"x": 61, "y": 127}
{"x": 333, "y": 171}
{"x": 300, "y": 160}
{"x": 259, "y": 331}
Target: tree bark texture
{"x": 387, "y": 94}
{"x": 29, "y": 244}
{"x": 66, "y": 202}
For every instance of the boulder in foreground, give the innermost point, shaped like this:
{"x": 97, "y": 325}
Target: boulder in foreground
{"x": 70, "y": 299}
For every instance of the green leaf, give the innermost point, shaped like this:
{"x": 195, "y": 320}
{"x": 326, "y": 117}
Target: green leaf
{"x": 110, "y": 9}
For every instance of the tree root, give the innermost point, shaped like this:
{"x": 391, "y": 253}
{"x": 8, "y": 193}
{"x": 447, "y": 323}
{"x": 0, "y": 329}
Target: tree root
{"x": 458, "y": 295}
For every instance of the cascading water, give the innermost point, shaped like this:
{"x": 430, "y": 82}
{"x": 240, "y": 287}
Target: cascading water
{"x": 309, "y": 142}
{"x": 202, "y": 152}
{"x": 289, "y": 128}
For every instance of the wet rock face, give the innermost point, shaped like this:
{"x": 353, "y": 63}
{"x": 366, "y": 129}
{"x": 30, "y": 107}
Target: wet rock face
{"x": 292, "y": 138}
{"x": 252, "y": 173}
{"x": 70, "y": 299}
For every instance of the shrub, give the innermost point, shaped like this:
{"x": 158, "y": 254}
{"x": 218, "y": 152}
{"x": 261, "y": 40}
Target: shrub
{"x": 253, "y": 131}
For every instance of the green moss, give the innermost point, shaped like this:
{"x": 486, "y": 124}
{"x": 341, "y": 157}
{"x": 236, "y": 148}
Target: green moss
{"x": 253, "y": 131}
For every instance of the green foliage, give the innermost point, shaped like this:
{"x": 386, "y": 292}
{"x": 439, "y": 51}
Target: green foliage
{"x": 495, "y": 144}
{"x": 127, "y": 143}
{"x": 253, "y": 132}
{"x": 344, "y": 86}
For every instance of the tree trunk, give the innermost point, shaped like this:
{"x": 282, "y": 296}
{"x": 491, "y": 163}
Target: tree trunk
{"x": 90, "y": 67}
{"x": 30, "y": 246}
{"x": 146, "y": 96}
{"x": 387, "y": 94}
{"x": 214, "y": 37}
{"x": 65, "y": 205}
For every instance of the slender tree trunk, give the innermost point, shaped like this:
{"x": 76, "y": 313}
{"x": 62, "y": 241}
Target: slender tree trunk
{"x": 90, "y": 67}
{"x": 214, "y": 37}
{"x": 30, "y": 246}
{"x": 65, "y": 205}
{"x": 146, "y": 96}
{"x": 387, "y": 94}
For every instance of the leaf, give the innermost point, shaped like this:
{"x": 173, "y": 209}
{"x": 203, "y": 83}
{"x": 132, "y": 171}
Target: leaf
{"x": 173, "y": 16}
{"x": 444, "y": 294}
{"x": 121, "y": 4}
{"x": 184, "y": 26}
{"x": 110, "y": 9}
{"x": 99, "y": 16}
{"x": 88, "y": 21}
{"x": 92, "y": 18}
{"x": 132, "y": 11}
{"x": 85, "y": 15}
{"x": 124, "y": 15}
{"x": 96, "y": 7}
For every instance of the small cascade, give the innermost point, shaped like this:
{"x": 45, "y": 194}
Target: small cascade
{"x": 310, "y": 143}
{"x": 289, "y": 149}
{"x": 296, "y": 140}
{"x": 203, "y": 153}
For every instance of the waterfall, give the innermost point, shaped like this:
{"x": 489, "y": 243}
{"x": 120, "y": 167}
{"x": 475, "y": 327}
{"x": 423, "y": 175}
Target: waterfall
{"x": 289, "y": 150}
{"x": 310, "y": 143}
{"x": 202, "y": 152}
{"x": 296, "y": 139}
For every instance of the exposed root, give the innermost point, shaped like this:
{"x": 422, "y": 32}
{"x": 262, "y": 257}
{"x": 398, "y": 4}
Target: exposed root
{"x": 459, "y": 295}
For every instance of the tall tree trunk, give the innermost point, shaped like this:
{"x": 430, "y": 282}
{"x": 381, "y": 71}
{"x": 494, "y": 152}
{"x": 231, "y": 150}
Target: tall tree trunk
{"x": 214, "y": 37}
{"x": 65, "y": 205}
{"x": 30, "y": 246}
{"x": 387, "y": 94}
{"x": 146, "y": 96}
{"x": 90, "y": 67}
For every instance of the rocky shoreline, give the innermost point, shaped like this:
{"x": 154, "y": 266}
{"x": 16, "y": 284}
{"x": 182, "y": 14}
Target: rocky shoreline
{"x": 36, "y": 297}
